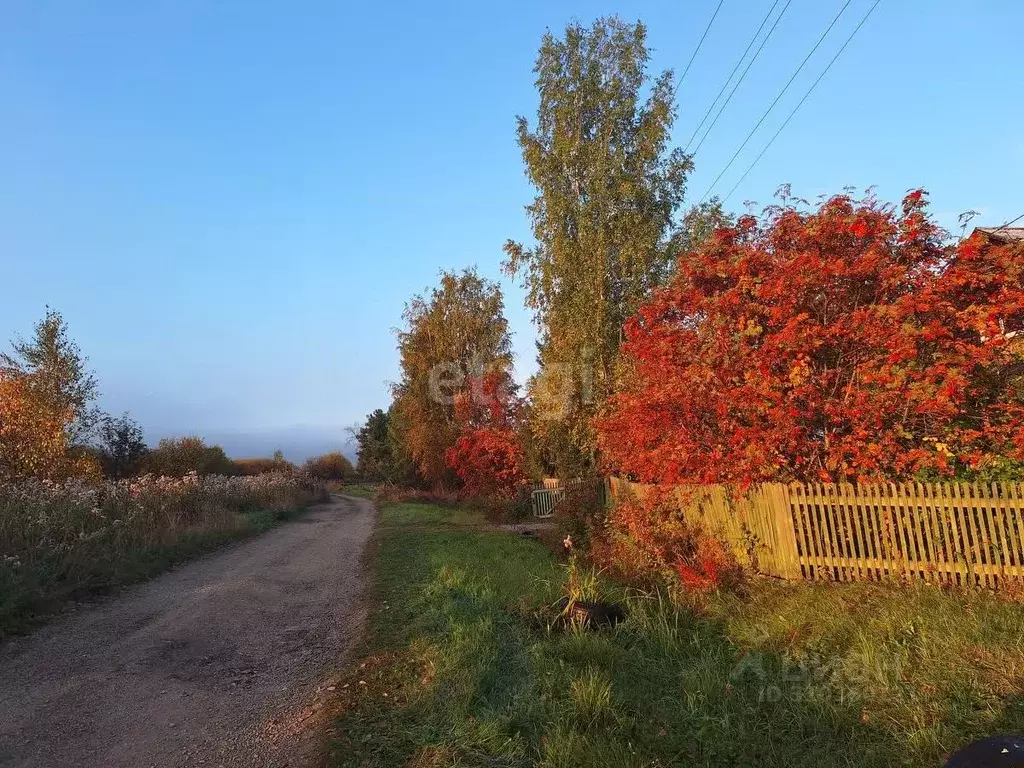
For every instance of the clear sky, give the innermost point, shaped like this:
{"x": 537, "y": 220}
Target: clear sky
{"x": 231, "y": 201}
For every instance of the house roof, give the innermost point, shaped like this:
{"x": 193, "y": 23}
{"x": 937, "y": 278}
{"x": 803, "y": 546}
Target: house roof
{"x": 1003, "y": 234}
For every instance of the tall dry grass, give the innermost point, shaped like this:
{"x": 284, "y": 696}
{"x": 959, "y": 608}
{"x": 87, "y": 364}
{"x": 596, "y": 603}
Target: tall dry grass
{"x": 68, "y": 539}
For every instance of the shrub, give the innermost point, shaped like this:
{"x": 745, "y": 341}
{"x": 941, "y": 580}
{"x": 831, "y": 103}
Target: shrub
{"x": 842, "y": 343}
{"x": 251, "y": 467}
{"x": 122, "y": 450}
{"x": 386, "y": 493}
{"x": 330, "y": 466}
{"x": 650, "y": 539}
{"x": 179, "y": 457}
{"x": 503, "y": 510}
{"x": 486, "y": 455}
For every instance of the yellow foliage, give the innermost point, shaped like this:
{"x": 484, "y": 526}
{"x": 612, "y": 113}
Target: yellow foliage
{"x": 33, "y": 442}
{"x": 85, "y": 467}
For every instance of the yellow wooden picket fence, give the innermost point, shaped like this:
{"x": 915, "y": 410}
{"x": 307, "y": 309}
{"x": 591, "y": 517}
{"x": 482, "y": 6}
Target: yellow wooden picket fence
{"x": 945, "y": 533}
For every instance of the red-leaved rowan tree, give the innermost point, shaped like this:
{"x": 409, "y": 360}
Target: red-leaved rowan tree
{"x": 853, "y": 341}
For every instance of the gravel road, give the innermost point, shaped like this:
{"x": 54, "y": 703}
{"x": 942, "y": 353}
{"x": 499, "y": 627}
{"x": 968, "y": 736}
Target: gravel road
{"x": 220, "y": 662}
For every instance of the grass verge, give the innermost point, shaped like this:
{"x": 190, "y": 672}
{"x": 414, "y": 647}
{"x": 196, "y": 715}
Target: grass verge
{"x": 457, "y": 669}
{"x": 30, "y": 595}
{"x": 362, "y": 490}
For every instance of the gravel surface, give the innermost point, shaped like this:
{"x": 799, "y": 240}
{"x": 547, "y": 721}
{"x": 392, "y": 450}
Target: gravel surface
{"x": 221, "y": 662}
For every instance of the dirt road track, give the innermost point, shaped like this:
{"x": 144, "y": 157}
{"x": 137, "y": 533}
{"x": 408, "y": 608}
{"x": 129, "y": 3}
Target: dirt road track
{"x": 217, "y": 663}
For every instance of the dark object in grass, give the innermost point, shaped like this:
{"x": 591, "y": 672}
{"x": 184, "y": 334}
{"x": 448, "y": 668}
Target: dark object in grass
{"x": 592, "y": 615}
{"x": 995, "y": 752}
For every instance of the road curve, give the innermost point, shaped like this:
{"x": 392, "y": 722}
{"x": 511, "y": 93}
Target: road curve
{"x": 220, "y": 662}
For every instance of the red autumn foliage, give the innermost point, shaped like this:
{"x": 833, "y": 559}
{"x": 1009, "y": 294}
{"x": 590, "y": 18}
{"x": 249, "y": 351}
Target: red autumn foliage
{"x": 650, "y": 537}
{"x": 487, "y": 455}
{"x": 849, "y": 342}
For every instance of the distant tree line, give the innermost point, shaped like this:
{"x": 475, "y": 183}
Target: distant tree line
{"x": 50, "y": 427}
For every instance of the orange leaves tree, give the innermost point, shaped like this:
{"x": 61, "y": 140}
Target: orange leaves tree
{"x": 46, "y": 406}
{"x": 455, "y": 332}
{"x": 850, "y": 341}
{"x": 53, "y": 368}
{"x": 487, "y": 454}
{"x": 33, "y": 441}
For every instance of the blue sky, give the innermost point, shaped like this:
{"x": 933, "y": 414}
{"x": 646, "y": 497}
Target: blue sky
{"x": 231, "y": 201}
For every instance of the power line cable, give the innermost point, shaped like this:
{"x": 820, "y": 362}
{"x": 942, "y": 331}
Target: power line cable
{"x": 777, "y": 98}
{"x": 697, "y": 49}
{"x": 729, "y": 78}
{"x": 800, "y": 103}
{"x": 742, "y": 76}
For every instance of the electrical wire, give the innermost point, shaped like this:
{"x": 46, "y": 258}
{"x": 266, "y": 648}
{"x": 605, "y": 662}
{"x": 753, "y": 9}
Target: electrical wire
{"x": 729, "y": 78}
{"x": 742, "y": 76}
{"x": 800, "y": 103}
{"x": 777, "y": 98}
{"x": 697, "y": 49}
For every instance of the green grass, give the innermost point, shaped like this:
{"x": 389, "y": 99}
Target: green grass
{"x": 30, "y": 595}
{"x": 457, "y": 669}
{"x": 362, "y": 490}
